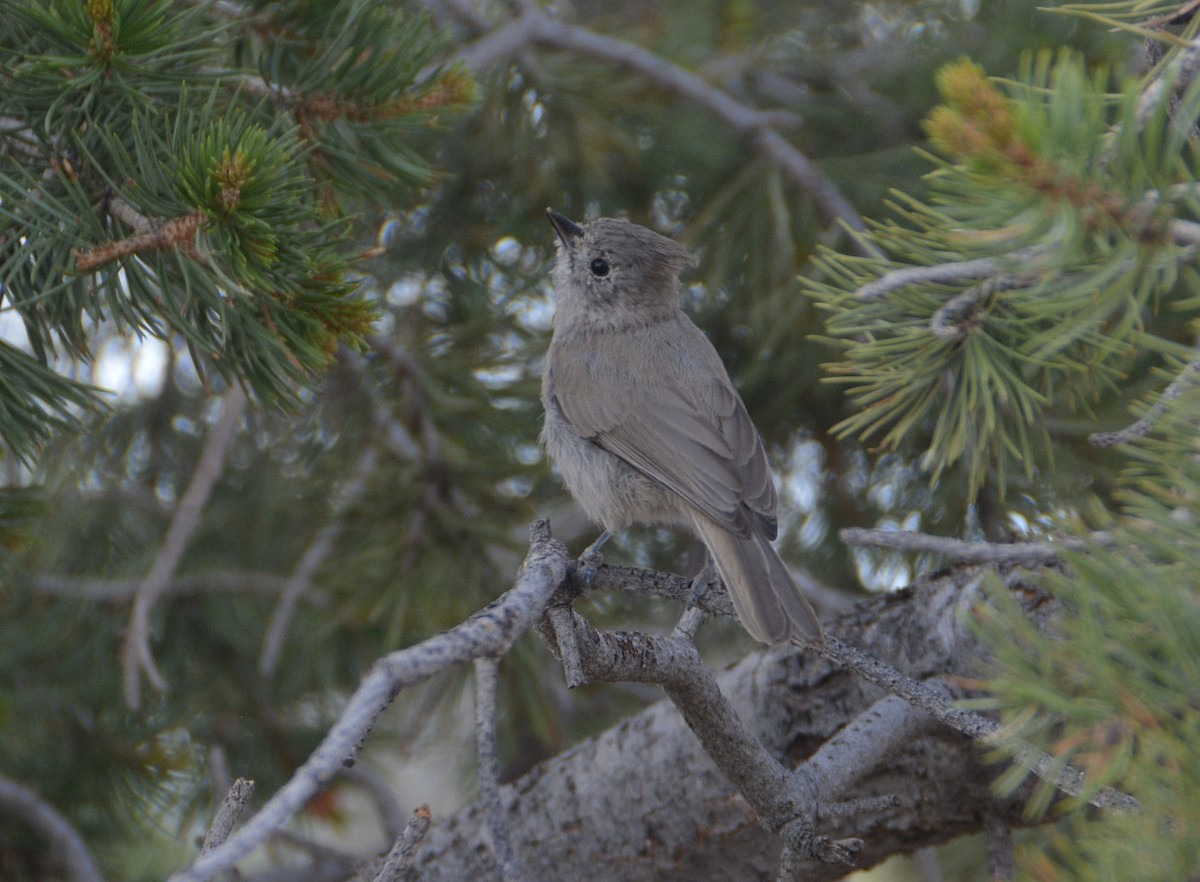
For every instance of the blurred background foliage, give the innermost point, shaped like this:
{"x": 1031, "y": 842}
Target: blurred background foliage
{"x": 415, "y": 194}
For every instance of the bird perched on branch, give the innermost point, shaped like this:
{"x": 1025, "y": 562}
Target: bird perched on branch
{"x": 645, "y": 425}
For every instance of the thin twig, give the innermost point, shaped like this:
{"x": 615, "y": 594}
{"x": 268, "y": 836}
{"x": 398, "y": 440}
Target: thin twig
{"x": 231, "y": 807}
{"x": 175, "y": 234}
{"x": 123, "y": 590}
{"x": 951, "y": 321}
{"x": 401, "y": 854}
{"x": 563, "y": 624}
{"x": 1187, "y": 378}
{"x": 136, "y": 655}
{"x": 1029, "y": 554}
{"x": 310, "y": 561}
{"x": 23, "y": 805}
{"x": 933, "y": 697}
{"x": 489, "y": 632}
{"x": 488, "y": 766}
{"x": 962, "y": 270}
{"x": 534, "y": 26}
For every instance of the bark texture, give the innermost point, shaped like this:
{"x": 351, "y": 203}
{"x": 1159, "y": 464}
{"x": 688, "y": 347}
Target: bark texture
{"x": 643, "y": 802}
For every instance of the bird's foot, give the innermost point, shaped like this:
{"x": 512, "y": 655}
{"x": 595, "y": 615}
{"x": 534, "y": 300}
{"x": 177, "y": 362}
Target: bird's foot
{"x": 591, "y": 560}
{"x": 702, "y": 581}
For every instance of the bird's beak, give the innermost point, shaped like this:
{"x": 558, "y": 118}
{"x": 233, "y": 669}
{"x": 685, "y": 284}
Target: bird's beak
{"x": 566, "y": 228}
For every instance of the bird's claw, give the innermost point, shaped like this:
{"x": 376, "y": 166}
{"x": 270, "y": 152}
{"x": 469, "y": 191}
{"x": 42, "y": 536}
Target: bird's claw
{"x": 589, "y": 564}
{"x": 591, "y": 560}
{"x": 702, "y": 581}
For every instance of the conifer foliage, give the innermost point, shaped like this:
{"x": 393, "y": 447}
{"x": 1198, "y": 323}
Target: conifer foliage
{"x": 184, "y": 176}
{"x": 1053, "y": 268}
{"x": 314, "y": 202}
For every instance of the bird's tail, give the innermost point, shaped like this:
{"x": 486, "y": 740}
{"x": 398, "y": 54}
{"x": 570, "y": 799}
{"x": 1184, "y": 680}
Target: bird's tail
{"x": 768, "y": 601}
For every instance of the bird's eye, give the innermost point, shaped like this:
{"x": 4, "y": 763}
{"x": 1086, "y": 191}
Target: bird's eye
{"x": 600, "y": 267}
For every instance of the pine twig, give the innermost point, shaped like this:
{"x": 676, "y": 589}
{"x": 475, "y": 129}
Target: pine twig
{"x": 176, "y": 234}
{"x": 979, "y": 268}
{"x": 952, "y": 319}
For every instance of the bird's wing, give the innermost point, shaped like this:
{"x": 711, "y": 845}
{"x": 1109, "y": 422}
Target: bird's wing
{"x": 679, "y": 422}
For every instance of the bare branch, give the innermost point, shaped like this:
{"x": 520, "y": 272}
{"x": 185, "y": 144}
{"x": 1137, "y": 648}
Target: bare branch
{"x": 486, "y": 681}
{"x": 122, "y": 590}
{"x": 400, "y": 856}
{"x": 231, "y": 807}
{"x": 1187, "y": 378}
{"x": 489, "y": 632}
{"x": 785, "y": 804}
{"x": 22, "y": 804}
{"x": 1029, "y": 554}
{"x": 657, "y": 806}
{"x": 567, "y": 644}
{"x": 979, "y": 268}
{"x": 863, "y": 744}
{"x": 933, "y": 697}
{"x": 136, "y": 656}
{"x": 310, "y": 561}
{"x": 535, "y": 27}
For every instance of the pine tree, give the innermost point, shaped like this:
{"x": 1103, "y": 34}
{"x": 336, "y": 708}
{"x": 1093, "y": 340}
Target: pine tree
{"x": 307, "y": 201}
{"x": 1051, "y": 274}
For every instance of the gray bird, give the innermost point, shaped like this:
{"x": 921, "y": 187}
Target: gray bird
{"x": 645, "y": 425}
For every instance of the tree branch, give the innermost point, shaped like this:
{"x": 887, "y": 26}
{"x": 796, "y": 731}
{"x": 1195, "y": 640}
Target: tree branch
{"x": 310, "y": 561}
{"x": 933, "y": 698}
{"x": 401, "y": 854}
{"x": 535, "y": 27}
{"x": 1187, "y": 378}
{"x": 783, "y": 802}
{"x": 231, "y": 807}
{"x": 656, "y": 806}
{"x": 176, "y": 234}
{"x": 486, "y": 680}
{"x": 136, "y": 655}
{"x": 23, "y": 804}
{"x": 1027, "y": 554}
{"x": 489, "y": 632}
